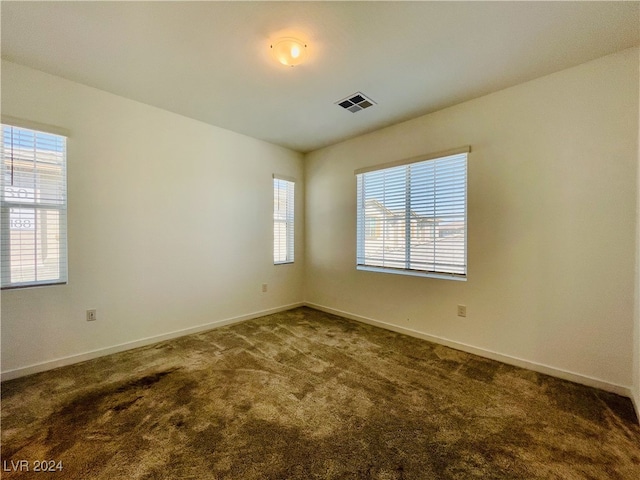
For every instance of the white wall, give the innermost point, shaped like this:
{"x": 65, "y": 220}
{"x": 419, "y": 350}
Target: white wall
{"x": 551, "y": 209}
{"x": 170, "y": 225}
{"x": 160, "y": 241}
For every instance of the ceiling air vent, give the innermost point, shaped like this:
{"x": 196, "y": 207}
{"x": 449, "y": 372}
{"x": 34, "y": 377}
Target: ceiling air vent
{"x": 356, "y": 102}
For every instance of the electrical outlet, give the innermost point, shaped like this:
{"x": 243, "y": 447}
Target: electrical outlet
{"x": 92, "y": 315}
{"x": 264, "y": 287}
{"x": 462, "y": 310}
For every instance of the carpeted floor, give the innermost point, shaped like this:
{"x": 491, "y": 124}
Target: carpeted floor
{"x": 307, "y": 395}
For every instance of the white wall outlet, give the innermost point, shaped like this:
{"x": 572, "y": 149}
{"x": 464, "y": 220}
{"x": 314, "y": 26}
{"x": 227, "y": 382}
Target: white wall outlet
{"x": 462, "y": 310}
{"x": 264, "y": 287}
{"x": 92, "y": 315}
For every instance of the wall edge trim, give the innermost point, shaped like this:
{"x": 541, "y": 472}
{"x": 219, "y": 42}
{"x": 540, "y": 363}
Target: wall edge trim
{"x": 515, "y": 361}
{"x": 142, "y": 342}
{"x": 636, "y": 405}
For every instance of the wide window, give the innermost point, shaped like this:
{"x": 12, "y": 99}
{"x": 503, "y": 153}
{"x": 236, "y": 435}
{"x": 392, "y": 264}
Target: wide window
{"x": 34, "y": 208}
{"x": 283, "y": 220}
{"x": 412, "y": 216}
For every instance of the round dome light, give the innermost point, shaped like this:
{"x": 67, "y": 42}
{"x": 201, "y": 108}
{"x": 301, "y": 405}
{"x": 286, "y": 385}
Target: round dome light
{"x": 289, "y": 51}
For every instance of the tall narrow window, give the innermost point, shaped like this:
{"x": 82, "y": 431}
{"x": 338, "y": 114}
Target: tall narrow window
{"x": 412, "y": 216}
{"x": 33, "y": 230}
{"x": 283, "y": 216}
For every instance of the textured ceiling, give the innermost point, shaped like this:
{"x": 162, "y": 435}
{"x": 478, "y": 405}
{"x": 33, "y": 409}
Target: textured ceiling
{"x": 210, "y": 60}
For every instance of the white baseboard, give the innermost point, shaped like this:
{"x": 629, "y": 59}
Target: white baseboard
{"x": 518, "y": 362}
{"x": 635, "y": 399}
{"x": 81, "y": 357}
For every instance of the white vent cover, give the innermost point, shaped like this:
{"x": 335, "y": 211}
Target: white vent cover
{"x": 355, "y": 102}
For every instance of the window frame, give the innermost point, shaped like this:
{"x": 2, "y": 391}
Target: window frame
{"x": 288, "y": 221}
{"x": 406, "y": 222}
{"x": 38, "y": 207}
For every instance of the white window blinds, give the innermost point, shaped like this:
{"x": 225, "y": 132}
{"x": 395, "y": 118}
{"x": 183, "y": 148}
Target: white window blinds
{"x": 412, "y": 217}
{"x": 33, "y": 229}
{"x": 283, "y": 220}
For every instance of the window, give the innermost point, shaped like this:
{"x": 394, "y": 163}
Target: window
{"x": 283, "y": 238}
{"x": 33, "y": 231}
{"x": 412, "y": 216}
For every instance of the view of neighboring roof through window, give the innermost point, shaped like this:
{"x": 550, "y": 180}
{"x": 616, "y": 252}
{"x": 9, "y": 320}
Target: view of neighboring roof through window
{"x": 412, "y": 216}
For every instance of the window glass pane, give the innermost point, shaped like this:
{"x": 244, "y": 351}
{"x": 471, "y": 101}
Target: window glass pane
{"x": 33, "y": 229}
{"x": 283, "y": 220}
{"x": 413, "y": 217}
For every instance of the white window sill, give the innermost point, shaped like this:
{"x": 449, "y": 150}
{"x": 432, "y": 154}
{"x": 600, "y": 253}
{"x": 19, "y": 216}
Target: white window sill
{"x": 413, "y": 273}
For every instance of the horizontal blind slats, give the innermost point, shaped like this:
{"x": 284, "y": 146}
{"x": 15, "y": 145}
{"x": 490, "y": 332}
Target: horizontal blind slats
{"x": 283, "y": 220}
{"x": 33, "y": 228}
{"x": 413, "y": 216}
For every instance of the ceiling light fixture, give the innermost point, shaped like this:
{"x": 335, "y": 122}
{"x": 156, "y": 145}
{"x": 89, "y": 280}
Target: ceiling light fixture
{"x": 289, "y": 51}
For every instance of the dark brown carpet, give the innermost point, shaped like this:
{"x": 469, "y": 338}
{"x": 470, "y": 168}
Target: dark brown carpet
{"x": 306, "y": 395}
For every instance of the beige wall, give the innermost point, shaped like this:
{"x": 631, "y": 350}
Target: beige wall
{"x": 551, "y": 212}
{"x": 635, "y": 394}
{"x": 170, "y": 225}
